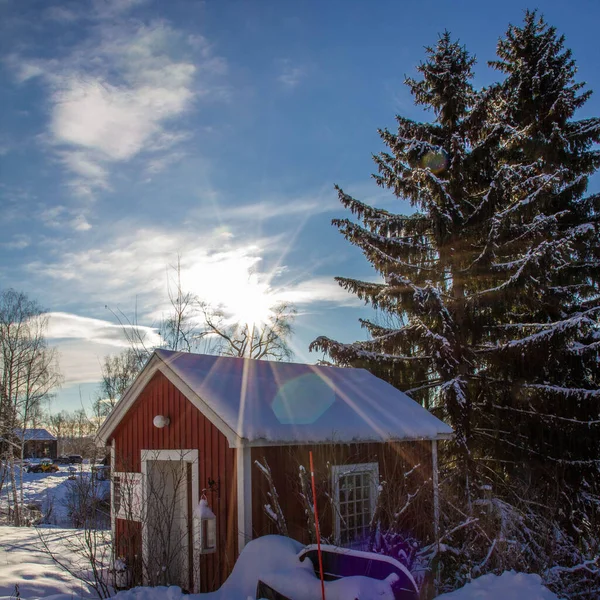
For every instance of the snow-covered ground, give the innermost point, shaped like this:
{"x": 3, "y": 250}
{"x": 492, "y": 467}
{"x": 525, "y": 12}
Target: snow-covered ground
{"x": 51, "y": 491}
{"x": 24, "y": 564}
{"x": 508, "y": 586}
{"x": 274, "y": 559}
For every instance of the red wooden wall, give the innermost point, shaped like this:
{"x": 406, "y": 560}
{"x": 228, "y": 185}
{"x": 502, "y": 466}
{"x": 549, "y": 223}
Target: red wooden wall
{"x": 189, "y": 430}
{"x": 394, "y": 459}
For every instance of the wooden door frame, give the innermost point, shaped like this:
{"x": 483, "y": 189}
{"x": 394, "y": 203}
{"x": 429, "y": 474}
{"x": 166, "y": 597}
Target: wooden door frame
{"x": 185, "y": 456}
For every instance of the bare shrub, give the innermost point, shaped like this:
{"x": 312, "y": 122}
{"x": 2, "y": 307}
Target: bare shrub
{"x": 272, "y": 508}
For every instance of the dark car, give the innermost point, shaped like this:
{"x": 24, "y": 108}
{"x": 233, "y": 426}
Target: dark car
{"x": 71, "y": 459}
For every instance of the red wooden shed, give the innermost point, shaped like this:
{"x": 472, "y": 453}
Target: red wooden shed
{"x": 194, "y": 426}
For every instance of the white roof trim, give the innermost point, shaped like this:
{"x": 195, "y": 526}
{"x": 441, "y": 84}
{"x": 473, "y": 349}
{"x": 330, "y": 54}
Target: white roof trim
{"x": 333, "y": 440}
{"x": 118, "y": 412}
{"x": 156, "y": 363}
{"x": 235, "y": 441}
{"x": 152, "y": 366}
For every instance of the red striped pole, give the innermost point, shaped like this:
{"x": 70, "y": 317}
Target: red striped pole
{"x": 318, "y": 532}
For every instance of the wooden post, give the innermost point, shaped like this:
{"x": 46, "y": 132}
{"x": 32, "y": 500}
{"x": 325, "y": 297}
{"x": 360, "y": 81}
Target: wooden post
{"x": 436, "y": 492}
{"x": 436, "y": 509}
{"x": 244, "y": 495}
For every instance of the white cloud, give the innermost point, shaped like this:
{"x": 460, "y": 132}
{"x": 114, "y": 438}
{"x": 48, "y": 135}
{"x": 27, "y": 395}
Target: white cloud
{"x": 156, "y": 165}
{"x": 79, "y": 223}
{"x": 89, "y": 174}
{"x": 59, "y": 216}
{"x": 272, "y": 209}
{"x": 82, "y": 342}
{"x": 25, "y": 70}
{"x": 132, "y": 267}
{"x": 119, "y": 93}
{"x": 319, "y": 289}
{"x": 50, "y": 216}
{"x": 60, "y": 14}
{"x": 116, "y": 122}
{"x": 80, "y": 362}
{"x": 70, "y": 326}
{"x": 290, "y": 75}
{"x": 18, "y": 242}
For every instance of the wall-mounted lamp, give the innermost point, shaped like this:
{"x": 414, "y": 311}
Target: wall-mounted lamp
{"x": 207, "y": 522}
{"x": 161, "y": 421}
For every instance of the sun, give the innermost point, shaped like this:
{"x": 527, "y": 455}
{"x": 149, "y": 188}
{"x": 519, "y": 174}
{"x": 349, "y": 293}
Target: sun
{"x": 252, "y": 303}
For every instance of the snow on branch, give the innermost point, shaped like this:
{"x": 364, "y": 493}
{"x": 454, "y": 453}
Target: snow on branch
{"x": 546, "y": 416}
{"x": 272, "y": 509}
{"x": 356, "y": 351}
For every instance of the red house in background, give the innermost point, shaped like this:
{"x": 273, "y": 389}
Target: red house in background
{"x": 194, "y": 425}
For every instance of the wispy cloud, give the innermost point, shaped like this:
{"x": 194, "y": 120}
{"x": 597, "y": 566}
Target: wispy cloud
{"x": 18, "y": 242}
{"x": 160, "y": 163}
{"x": 61, "y": 14}
{"x": 319, "y": 290}
{"x": 60, "y": 217}
{"x": 119, "y": 93}
{"x": 69, "y": 326}
{"x": 132, "y": 266}
{"x": 51, "y": 216}
{"x": 82, "y": 342}
{"x": 80, "y": 223}
{"x": 290, "y": 75}
{"x": 277, "y": 207}
{"x": 94, "y": 9}
{"x": 80, "y": 362}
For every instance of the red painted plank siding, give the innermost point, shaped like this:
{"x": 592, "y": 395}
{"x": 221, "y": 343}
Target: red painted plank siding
{"x": 394, "y": 459}
{"x": 189, "y": 430}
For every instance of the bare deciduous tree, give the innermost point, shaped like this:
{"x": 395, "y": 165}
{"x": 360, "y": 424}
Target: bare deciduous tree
{"x": 193, "y": 325}
{"x": 75, "y": 432}
{"x": 28, "y": 374}
{"x": 118, "y": 372}
{"x": 86, "y": 554}
{"x": 178, "y": 329}
{"x": 265, "y": 340}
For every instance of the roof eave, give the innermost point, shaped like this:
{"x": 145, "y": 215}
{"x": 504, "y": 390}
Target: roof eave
{"x": 155, "y": 364}
{"x": 263, "y": 443}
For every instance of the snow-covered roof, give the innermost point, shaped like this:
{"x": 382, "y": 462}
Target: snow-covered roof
{"x": 37, "y": 435}
{"x": 299, "y": 403}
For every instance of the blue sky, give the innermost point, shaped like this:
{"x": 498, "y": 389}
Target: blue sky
{"x": 134, "y": 130}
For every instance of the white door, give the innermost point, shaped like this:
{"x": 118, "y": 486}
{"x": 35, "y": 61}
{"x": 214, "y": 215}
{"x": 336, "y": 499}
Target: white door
{"x": 168, "y": 523}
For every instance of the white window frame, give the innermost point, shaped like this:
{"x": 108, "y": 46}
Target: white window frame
{"x": 338, "y": 471}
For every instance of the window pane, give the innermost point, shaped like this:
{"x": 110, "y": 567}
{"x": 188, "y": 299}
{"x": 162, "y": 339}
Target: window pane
{"x": 354, "y": 503}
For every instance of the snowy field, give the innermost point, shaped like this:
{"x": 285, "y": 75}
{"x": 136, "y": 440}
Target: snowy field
{"x": 24, "y": 564}
{"x": 50, "y": 491}
{"x": 29, "y": 573}
{"x": 26, "y": 569}
{"x": 275, "y": 560}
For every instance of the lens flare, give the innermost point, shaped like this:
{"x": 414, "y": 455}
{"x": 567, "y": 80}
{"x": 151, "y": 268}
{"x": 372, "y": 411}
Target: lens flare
{"x": 436, "y": 162}
{"x": 301, "y": 401}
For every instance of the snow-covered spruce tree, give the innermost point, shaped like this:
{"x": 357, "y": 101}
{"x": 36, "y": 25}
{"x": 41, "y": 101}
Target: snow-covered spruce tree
{"x": 493, "y": 283}
{"x": 423, "y": 258}
{"x": 543, "y": 249}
